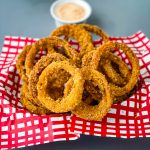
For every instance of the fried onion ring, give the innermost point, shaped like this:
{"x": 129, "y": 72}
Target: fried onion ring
{"x": 49, "y": 44}
{"x": 20, "y": 63}
{"x": 39, "y": 67}
{"x": 97, "y": 112}
{"x": 116, "y": 90}
{"x": 78, "y": 33}
{"x": 118, "y": 76}
{"x": 27, "y": 103}
{"x": 97, "y": 30}
{"x": 68, "y": 102}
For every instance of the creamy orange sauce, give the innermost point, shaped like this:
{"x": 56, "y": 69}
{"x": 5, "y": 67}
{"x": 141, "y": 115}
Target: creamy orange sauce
{"x": 70, "y": 11}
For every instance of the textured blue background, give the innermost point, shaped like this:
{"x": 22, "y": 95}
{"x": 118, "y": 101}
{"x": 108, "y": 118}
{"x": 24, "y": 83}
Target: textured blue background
{"x": 117, "y": 17}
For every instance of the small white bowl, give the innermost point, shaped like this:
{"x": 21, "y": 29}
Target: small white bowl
{"x": 59, "y": 22}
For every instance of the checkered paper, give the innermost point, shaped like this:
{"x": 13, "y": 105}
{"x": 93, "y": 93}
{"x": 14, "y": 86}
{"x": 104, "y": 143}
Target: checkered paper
{"x": 18, "y": 127}
{"x": 131, "y": 118}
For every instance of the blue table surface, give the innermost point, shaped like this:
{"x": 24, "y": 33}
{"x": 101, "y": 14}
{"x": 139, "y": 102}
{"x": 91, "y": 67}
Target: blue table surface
{"x": 117, "y": 17}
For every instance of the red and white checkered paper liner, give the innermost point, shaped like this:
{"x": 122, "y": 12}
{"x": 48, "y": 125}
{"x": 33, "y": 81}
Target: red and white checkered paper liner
{"x": 131, "y": 118}
{"x": 18, "y": 127}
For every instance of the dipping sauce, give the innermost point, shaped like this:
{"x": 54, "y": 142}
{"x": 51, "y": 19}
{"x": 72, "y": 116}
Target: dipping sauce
{"x": 70, "y": 11}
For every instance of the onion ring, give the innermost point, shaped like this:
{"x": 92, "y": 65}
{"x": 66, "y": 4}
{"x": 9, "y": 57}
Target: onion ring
{"x": 116, "y": 90}
{"x": 97, "y": 112}
{"x": 68, "y": 102}
{"x": 27, "y": 103}
{"x": 78, "y": 33}
{"x": 48, "y": 44}
{"x": 39, "y": 67}
{"x": 116, "y": 78}
{"x": 20, "y": 63}
{"x": 97, "y": 30}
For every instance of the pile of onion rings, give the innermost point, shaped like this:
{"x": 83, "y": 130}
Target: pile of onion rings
{"x": 85, "y": 81}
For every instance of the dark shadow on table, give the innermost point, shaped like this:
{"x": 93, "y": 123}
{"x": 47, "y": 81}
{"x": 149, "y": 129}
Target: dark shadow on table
{"x": 96, "y": 143}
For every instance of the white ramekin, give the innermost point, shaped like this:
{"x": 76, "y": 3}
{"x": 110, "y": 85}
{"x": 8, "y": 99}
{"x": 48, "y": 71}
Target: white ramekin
{"x": 83, "y": 3}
